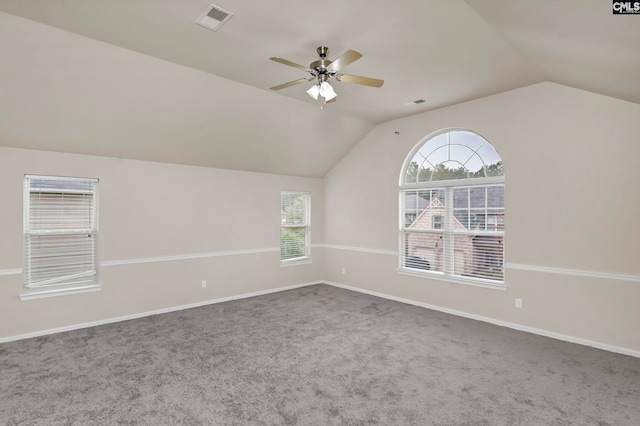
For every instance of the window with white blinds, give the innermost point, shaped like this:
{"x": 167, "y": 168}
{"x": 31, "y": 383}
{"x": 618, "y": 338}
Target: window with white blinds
{"x": 294, "y": 226}
{"x": 452, "y": 209}
{"x": 60, "y": 232}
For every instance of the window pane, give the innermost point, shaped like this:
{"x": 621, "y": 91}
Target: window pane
{"x": 414, "y": 205}
{"x": 475, "y": 166}
{"x": 462, "y": 220}
{"x": 460, "y": 153}
{"x": 472, "y": 140}
{"x": 60, "y": 231}
{"x": 439, "y": 155}
{"x": 293, "y": 242}
{"x": 411, "y": 174}
{"x": 423, "y": 251}
{"x": 60, "y": 211}
{"x": 494, "y": 169}
{"x": 486, "y": 258}
{"x": 420, "y": 207}
{"x": 495, "y": 219}
{"x": 495, "y": 196}
{"x": 294, "y": 225}
{"x": 490, "y": 156}
{"x": 478, "y": 219}
{"x": 60, "y": 259}
{"x": 478, "y": 257}
{"x": 433, "y": 144}
{"x": 294, "y": 209}
{"x": 461, "y": 198}
{"x": 478, "y": 197}
{"x": 424, "y": 174}
{"x": 449, "y": 170}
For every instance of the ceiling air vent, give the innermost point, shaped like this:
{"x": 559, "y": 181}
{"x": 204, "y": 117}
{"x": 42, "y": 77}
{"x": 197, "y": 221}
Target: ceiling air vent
{"x": 213, "y": 17}
{"x": 417, "y": 101}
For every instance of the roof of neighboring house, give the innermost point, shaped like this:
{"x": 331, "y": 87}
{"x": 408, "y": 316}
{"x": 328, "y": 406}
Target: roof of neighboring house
{"x": 474, "y": 198}
{"x": 436, "y": 204}
{"x": 414, "y": 203}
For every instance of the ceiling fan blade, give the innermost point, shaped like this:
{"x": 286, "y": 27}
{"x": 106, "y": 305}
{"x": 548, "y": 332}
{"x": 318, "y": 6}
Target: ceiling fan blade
{"x": 291, "y": 64}
{"x": 373, "y": 82}
{"x": 291, "y": 83}
{"x": 347, "y": 57}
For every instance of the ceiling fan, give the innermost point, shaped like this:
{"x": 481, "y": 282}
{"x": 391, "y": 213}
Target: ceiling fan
{"x": 322, "y": 70}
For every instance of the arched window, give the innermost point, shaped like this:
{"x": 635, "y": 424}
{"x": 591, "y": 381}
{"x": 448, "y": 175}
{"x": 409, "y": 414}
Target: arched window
{"x": 452, "y": 209}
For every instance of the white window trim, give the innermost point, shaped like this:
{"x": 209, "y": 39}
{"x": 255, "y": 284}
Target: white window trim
{"x": 306, "y": 259}
{"x": 296, "y": 261}
{"x": 41, "y": 293}
{"x": 440, "y": 276}
{"x": 447, "y": 185}
{"x": 30, "y": 291}
{"x": 447, "y": 275}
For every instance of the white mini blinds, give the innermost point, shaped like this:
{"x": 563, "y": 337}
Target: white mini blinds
{"x": 294, "y": 226}
{"x": 60, "y": 232}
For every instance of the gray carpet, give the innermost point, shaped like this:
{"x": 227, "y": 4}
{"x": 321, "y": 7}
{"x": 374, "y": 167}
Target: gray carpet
{"x": 313, "y": 356}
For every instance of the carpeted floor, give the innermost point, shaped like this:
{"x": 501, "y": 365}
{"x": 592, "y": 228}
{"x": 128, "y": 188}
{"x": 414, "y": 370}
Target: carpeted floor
{"x": 317, "y": 355}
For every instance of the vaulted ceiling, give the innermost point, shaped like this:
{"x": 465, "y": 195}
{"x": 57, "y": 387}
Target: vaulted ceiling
{"x": 139, "y": 79}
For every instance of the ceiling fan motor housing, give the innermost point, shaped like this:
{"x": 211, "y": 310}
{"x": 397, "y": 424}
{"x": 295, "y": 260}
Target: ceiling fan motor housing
{"x": 319, "y": 68}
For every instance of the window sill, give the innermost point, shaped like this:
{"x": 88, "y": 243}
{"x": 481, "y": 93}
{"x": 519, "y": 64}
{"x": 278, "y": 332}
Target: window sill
{"x": 441, "y": 277}
{"x": 41, "y": 293}
{"x": 297, "y": 261}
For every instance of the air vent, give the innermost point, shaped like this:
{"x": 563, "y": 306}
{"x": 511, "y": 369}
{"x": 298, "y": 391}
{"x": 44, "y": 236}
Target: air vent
{"x": 418, "y": 101}
{"x": 213, "y": 17}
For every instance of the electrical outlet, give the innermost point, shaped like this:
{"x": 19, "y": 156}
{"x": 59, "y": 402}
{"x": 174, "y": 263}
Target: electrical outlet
{"x": 518, "y": 303}
{"x": 204, "y": 284}
{"x": 344, "y": 271}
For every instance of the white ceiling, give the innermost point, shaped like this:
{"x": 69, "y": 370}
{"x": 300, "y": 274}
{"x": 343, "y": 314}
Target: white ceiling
{"x": 176, "y": 103}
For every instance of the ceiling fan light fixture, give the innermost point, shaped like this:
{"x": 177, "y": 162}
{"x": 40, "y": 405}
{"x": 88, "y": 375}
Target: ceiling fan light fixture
{"x": 322, "y": 70}
{"x": 326, "y": 91}
{"x": 314, "y": 91}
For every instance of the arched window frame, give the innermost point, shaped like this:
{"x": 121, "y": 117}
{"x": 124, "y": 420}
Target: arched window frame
{"x": 418, "y": 217}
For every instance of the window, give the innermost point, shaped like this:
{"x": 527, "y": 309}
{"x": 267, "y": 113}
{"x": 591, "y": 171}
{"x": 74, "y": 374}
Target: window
{"x": 60, "y": 233}
{"x": 294, "y": 226}
{"x": 452, "y": 209}
{"x": 436, "y": 221}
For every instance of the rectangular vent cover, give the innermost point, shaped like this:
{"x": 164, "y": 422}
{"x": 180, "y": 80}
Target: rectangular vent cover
{"x": 213, "y": 17}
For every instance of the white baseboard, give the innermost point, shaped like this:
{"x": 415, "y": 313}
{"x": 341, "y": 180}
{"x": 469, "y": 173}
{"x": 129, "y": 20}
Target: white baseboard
{"x": 154, "y": 312}
{"x": 553, "y": 335}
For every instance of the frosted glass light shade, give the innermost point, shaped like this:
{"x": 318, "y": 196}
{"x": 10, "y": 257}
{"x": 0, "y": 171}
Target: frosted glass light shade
{"x": 314, "y": 91}
{"x": 326, "y": 91}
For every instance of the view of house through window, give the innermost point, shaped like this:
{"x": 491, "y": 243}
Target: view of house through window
{"x": 60, "y": 232}
{"x": 452, "y": 209}
{"x": 294, "y": 226}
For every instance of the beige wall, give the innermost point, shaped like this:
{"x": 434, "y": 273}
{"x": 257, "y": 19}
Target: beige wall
{"x": 153, "y": 211}
{"x": 572, "y": 166}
